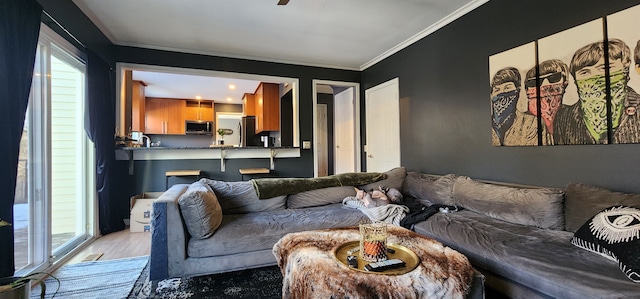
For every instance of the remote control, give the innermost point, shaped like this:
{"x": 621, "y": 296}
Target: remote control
{"x": 385, "y": 265}
{"x": 353, "y": 261}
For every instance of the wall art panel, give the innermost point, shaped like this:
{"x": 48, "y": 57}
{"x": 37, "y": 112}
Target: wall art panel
{"x": 512, "y": 124}
{"x": 624, "y": 74}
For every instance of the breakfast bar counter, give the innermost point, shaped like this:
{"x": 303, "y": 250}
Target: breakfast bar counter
{"x": 219, "y": 152}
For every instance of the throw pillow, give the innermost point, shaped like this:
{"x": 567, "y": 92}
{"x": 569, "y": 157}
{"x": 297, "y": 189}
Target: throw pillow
{"x": 429, "y": 189}
{"x": 241, "y": 198}
{"x": 394, "y": 179}
{"x": 540, "y": 207}
{"x": 319, "y": 197}
{"x": 200, "y": 210}
{"x": 615, "y": 234}
{"x": 584, "y": 201}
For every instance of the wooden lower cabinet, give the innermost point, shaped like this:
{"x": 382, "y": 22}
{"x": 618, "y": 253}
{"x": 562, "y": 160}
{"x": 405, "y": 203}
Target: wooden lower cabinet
{"x": 164, "y": 116}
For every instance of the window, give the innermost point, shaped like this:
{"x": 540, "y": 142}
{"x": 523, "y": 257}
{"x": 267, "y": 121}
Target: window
{"x": 55, "y": 190}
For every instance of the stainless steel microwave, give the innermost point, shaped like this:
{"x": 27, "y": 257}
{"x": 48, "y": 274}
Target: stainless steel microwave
{"x": 194, "y": 127}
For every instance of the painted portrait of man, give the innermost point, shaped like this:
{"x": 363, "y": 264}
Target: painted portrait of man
{"x": 552, "y": 83}
{"x": 511, "y": 127}
{"x": 588, "y": 121}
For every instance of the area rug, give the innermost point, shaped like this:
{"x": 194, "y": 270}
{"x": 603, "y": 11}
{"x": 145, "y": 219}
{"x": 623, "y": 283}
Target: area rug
{"x": 254, "y": 283}
{"x": 99, "y": 279}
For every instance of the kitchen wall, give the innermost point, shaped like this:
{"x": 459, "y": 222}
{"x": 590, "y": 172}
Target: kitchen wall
{"x": 444, "y": 95}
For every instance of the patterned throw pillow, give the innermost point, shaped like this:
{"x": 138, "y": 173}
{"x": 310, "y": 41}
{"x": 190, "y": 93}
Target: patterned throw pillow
{"x": 615, "y": 234}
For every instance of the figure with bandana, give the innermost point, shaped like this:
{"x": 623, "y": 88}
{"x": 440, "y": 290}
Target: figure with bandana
{"x": 637, "y": 57}
{"x": 552, "y": 82}
{"x": 510, "y": 126}
{"x": 586, "y": 122}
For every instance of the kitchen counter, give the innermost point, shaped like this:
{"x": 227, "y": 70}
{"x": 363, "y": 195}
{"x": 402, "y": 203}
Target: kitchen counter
{"x": 203, "y": 147}
{"x": 219, "y": 152}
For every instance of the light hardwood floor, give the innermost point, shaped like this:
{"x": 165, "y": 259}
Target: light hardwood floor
{"x": 122, "y": 244}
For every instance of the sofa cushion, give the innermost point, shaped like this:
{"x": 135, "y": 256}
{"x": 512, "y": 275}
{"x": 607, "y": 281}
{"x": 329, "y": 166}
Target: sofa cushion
{"x": 429, "y": 189}
{"x": 319, "y": 197}
{"x": 615, "y": 234}
{"x": 240, "y": 198}
{"x": 540, "y": 207}
{"x": 242, "y": 233}
{"x": 540, "y": 259}
{"x": 200, "y": 210}
{"x": 394, "y": 179}
{"x": 584, "y": 201}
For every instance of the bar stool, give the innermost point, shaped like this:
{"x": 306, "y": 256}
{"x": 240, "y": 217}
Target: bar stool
{"x": 253, "y": 171}
{"x": 180, "y": 173}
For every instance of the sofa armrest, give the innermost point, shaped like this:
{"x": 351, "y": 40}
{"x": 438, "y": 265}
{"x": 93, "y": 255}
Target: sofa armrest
{"x": 168, "y": 242}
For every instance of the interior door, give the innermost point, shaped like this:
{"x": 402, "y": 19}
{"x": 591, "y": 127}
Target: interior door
{"x": 323, "y": 154}
{"x": 344, "y": 125}
{"x": 383, "y": 126}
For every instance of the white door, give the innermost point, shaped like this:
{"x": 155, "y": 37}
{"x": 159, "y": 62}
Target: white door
{"x": 323, "y": 154}
{"x": 383, "y": 126}
{"x": 344, "y": 125}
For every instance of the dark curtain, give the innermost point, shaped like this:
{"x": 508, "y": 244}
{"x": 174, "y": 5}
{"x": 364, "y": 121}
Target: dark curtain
{"x": 100, "y": 127}
{"x": 19, "y": 29}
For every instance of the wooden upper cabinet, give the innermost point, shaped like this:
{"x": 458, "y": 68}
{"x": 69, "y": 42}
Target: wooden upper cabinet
{"x": 198, "y": 110}
{"x": 137, "y": 106}
{"x": 267, "y": 107}
{"x": 164, "y": 116}
{"x": 155, "y": 116}
{"x": 248, "y": 105}
{"x": 175, "y": 117}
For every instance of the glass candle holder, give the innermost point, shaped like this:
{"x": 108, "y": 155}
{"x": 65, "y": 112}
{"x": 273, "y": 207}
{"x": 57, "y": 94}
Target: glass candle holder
{"x": 373, "y": 241}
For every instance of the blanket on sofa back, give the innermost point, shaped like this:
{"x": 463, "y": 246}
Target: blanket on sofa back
{"x": 272, "y": 187}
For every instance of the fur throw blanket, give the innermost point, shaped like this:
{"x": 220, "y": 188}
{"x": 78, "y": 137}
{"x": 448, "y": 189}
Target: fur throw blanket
{"x": 310, "y": 270}
{"x": 272, "y": 187}
{"x": 390, "y": 213}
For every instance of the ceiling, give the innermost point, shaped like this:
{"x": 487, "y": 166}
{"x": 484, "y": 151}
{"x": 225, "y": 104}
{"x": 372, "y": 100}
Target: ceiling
{"x": 183, "y": 86}
{"x": 353, "y": 34}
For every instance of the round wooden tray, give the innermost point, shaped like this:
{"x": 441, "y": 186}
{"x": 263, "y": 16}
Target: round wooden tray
{"x": 405, "y": 254}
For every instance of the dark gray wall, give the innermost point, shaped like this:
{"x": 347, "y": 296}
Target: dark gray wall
{"x": 146, "y": 179}
{"x": 444, "y": 94}
{"x": 149, "y": 175}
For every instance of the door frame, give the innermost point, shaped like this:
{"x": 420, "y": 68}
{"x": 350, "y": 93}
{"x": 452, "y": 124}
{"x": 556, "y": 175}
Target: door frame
{"x": 356, "y": 121}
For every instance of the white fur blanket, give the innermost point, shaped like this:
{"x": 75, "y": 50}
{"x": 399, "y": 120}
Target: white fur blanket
{"x": 390, "y": 213}
{"x": 310, "y": 271}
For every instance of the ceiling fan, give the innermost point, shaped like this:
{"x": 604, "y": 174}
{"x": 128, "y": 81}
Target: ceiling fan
{"x": 283, "y": 2}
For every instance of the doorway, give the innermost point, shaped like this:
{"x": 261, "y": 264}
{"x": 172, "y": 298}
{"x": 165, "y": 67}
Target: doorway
{"x": 383, "y": 126}
{"x": 339, "y": 151}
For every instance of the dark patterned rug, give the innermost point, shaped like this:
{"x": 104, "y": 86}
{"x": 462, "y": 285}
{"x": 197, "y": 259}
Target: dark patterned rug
{"x": 254, "y": 283}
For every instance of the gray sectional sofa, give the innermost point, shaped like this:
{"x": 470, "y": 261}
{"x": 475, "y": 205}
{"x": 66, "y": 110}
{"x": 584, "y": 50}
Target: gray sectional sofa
{"x": 518, "y": 236}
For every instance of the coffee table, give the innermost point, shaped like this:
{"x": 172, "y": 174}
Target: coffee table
{"x": 310, "y": 268}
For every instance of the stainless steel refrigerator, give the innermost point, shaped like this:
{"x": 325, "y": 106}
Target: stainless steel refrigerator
{"x": 248, "y": 135}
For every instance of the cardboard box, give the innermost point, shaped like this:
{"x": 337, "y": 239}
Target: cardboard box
{"x": 141, "y": 211}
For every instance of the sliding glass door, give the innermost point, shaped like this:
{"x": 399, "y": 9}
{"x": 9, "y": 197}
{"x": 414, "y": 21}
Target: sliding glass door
{"x": 55, "y": 187}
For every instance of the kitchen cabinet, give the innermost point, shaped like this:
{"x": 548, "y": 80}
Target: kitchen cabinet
{"x": 267, "y": 105}
{"x": 164, "y": 116}
{"x": 137, "y": 106}
{"x": 199, "y": 110}
{"x": 248, "y": 105}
